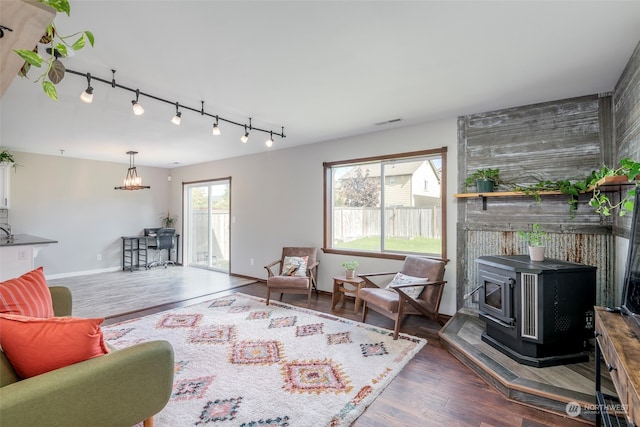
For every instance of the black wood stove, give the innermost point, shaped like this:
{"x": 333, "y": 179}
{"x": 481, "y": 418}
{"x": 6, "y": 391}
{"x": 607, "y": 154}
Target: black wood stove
{"x": 538, "y": 313}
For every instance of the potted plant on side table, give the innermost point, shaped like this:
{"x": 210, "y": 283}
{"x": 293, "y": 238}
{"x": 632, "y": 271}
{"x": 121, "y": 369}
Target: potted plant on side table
{"x": 350, "y": 267}
{"x": 536, "y": 239}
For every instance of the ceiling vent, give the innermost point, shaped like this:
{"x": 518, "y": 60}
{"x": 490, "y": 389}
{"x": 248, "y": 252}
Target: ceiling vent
{"x": 389, "y": 122}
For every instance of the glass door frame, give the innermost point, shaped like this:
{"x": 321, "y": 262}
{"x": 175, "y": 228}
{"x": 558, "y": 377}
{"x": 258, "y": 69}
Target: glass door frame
{"x": 188, "y": 255}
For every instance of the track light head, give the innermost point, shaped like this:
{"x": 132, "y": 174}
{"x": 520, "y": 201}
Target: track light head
{"x": 216, "y": 129}
{"x": 178, "y": 117}
{"x": 137, "y": 108}
{"x": 244, "y": 138}
{"x": 269, "y": 141}
{"x": 87, "y": 95}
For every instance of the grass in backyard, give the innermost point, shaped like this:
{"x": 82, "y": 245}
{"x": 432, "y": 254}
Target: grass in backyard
{"x": 417, "y": 244}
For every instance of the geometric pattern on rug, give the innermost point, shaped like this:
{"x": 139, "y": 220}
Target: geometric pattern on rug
{"x": 269, "y": 422}
{"x": 191, "y": 388}
{"x": 116, "y": 334}
{"x": 259, "y": 314}
{"x": 283, "y": 322}
{"x": 213, "y": 334}
{"x": 256, "y": 352}
{"x": 315, "y": 376}
{"x": 240, "y": 309}
{"x": 339, "y": 338}
{"x": 305, "y": 330}
{"x": 219, "y": 410}
{"x": 239, "y": 362}
{"x": 222, "y": 303}
{"x": 170, "y": 321}
{"x": 373, "y": 349}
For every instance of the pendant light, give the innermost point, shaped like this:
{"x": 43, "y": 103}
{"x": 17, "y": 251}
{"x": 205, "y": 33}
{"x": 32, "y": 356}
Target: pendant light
{"x": 132, "y": 181}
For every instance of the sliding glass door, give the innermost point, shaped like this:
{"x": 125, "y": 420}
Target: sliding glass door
{"x": 207, "y": 225}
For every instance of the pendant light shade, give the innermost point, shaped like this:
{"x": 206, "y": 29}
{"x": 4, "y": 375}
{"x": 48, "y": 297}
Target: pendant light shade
{"x": 132, "y": 181}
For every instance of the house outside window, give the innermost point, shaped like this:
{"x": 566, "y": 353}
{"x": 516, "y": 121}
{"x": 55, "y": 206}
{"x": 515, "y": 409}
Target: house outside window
{"x": 388, "y": 206}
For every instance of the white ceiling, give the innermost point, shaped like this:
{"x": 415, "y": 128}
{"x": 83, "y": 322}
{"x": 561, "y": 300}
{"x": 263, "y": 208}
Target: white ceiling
{"x": 321, "y": 69}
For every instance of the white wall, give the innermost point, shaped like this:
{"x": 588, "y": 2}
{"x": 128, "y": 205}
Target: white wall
{"x": 277, "y": 198}
{"x": 73, "y": 201}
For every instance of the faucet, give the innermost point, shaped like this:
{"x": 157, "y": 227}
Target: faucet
{"x": 7, "y": 229}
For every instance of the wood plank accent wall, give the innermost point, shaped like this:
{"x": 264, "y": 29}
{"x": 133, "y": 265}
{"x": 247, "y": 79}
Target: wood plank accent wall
{"x": 564, "y": 139}
{"x": 626, "y": 110}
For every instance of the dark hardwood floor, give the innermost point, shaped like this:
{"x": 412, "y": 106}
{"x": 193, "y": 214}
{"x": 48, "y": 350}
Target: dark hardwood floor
{"x": 434, "y": 389}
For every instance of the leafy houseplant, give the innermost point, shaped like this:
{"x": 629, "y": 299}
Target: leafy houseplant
{"x": 536, "y": 238}
{"x": 168, "y": 220}
{"x": 485, "y": 180}
{"x": 59, "y": 47}
{"x": 629, "y": 170}
{"x": 6, "y": 157}
{"x": 350, "y": 267}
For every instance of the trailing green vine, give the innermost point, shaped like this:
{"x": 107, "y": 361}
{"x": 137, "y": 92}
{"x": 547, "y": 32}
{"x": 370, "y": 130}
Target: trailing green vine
{"x": 59, "y": 44}
{"x": 603, "y": 204}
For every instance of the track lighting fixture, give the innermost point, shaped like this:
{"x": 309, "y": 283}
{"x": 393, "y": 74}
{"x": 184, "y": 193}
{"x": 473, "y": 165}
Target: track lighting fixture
{"x": 87, "y": 95}
{"x": 244, "y": 138}
{"x": 132, "y": 181}
{"x": 269, "y": 141}
{"x": 137, "y": 108}
{"x": 178, "y": 117}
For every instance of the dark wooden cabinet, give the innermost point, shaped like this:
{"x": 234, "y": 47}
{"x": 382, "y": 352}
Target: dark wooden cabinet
{"x": 620, "y": 349}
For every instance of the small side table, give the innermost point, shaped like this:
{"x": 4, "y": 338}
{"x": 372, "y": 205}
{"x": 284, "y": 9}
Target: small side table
{"x": 340, "y": 289}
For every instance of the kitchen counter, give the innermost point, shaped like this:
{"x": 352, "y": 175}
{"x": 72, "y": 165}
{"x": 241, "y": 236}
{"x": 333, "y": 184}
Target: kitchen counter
{"x": 17, "y": 254}
{"x": 25, "y": 239}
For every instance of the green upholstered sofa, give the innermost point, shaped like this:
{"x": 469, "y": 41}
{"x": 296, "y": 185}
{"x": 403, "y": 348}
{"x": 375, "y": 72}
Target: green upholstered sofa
{"x": 122, "y": 388}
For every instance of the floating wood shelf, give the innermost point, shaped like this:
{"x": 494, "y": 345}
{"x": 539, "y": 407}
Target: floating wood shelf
{"x": 609, "y": 183}
{"x": 503, "y": 194}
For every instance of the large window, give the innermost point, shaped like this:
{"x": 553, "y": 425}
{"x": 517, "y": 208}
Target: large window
{"x": 386, "y": 206}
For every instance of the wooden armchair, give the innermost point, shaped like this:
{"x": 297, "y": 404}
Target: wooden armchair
{"x": 297, "y": 272}
{"x": 403, "y": 295}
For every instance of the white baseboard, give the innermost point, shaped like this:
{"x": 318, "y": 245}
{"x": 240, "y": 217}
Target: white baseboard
{"x": 81, "y": 273}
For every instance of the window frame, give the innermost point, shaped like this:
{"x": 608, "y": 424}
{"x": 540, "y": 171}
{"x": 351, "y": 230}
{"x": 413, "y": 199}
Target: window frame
{"x": 328, "y": 203}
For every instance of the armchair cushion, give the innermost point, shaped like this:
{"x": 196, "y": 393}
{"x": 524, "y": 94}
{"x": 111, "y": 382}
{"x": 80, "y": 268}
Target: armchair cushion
{"x": 295, "y": 266}
{"x": 27, "y": 295}
{"x": 35, "y": 345}
{"x": 403, "y": 279}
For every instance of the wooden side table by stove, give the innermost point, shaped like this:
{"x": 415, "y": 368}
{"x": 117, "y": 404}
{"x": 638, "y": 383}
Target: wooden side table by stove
{"x": 342, "y": 286}
{"x": 620, "y": 349}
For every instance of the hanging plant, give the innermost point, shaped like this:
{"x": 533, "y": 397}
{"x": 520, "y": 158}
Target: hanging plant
{"x": 603, "y": 204}
{"x": 59, "y": 47}
{"x": 571, "y": 189}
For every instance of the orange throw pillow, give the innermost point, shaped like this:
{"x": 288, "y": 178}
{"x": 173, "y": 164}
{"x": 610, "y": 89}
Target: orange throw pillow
{"x": 35, "y": 345}
{"x": 27, "y": 295}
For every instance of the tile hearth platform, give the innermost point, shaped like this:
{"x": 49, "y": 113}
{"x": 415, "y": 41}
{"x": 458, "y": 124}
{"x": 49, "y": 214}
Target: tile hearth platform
{"x": 548, "y": 389}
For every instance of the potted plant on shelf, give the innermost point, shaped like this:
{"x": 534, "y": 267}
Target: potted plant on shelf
{"x": 536, "y": 239}
{"x": 628, "y": 171}
{"x": 485, "y": 180}
{"x": 350, "y": 267}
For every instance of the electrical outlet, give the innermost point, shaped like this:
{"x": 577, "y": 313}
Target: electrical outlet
{"x": 99, "y": 257}
{"x": 22, "y": 255}
{"x": 251, "y": 262}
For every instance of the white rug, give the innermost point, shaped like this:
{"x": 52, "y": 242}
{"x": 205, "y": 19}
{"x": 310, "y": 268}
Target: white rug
{"x": 242, "y": 363}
